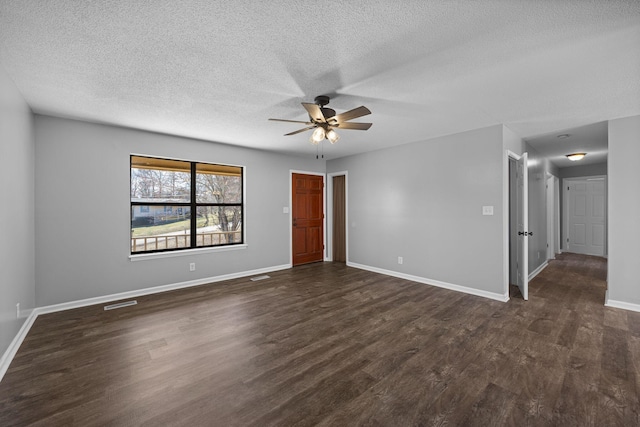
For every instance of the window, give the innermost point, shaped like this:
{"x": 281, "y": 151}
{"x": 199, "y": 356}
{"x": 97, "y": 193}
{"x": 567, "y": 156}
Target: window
{"x": 178, "y": 205}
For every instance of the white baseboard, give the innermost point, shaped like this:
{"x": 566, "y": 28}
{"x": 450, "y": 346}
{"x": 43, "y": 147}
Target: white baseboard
{"x": 437, "y": 283}
{"x": 155, "y": 290}
{"x": 537, "y": 271}
{"x": 621, "y": 304}
{"x": 11, "y": 351}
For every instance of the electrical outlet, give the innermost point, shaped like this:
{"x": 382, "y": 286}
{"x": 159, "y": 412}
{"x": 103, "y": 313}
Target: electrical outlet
{"x": 192, "y": 266}
{"x": 400, "y": 260}
{"x": 17, "y": 310}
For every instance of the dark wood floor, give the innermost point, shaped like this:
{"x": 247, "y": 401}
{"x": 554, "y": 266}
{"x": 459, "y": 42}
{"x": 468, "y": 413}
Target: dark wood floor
{"x": 330, "y": 345}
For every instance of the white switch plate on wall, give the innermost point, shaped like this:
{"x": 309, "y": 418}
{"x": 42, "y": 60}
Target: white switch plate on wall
{"x": 487, "y": 210}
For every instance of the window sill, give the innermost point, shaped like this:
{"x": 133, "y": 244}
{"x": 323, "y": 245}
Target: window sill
{"x": 186, "y": 252}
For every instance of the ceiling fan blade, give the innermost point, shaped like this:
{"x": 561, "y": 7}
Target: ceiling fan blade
{"x": 356, "y": 126}
{"x": 299, "y": 131}
{"x": 290, "y": 121}
{"x": 314, "y": 112}
{"x": 351, "y": 114}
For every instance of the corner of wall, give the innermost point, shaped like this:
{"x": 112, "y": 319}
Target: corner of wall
{"x": 511, "y": 141}
{"x": 17, "y": 262}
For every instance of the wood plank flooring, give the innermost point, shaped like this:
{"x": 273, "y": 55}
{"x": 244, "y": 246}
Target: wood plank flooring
{"x": 329, "y": 345}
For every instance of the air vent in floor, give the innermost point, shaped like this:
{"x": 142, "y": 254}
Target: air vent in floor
{"x": 120, "y": 305}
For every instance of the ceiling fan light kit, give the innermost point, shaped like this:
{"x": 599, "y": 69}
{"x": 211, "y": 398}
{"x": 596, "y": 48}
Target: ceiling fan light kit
{"x": 333, "y": 136}
{"x": 317, "y": 135}
{"x": 324, "y": 120}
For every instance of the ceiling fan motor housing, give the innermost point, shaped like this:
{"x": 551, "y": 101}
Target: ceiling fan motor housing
{"x": 328, "y": 112}
{"x": 321, "y": 100}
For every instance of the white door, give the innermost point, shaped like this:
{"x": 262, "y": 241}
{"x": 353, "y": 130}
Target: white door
{"x": 551, "y": 238}
{"x": 522, "y": 220}
{"x": 587, "y": 216}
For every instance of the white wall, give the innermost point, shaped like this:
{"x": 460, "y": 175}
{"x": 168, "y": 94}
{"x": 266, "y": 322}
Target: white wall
{"x": 82, "y": 210}
{"x": 624, "y": 211}
{"x": 423, "y": 201}
{"x": 17, "y": 210}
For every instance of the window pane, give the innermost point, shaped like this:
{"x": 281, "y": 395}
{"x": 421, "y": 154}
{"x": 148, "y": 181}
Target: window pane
{"x": 218, "y": 184}
{"x": 160, "y": 180}
{"x": 219, "y": 225}
{"x": 168, "y": 202}
{"x": 161, "y": 227}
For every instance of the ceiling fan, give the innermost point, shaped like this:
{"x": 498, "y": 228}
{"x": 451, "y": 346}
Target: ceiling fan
{"x": 325, "y": 120}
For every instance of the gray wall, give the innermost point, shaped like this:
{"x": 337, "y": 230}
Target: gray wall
{"x": 624, "y": 206}
{"x": 82, "y": 215}
{"x": 423, "y": 201}
{"x": 511, "y": 141}
{"x": 586, "y": 170}
{"x": 17, "y": 211}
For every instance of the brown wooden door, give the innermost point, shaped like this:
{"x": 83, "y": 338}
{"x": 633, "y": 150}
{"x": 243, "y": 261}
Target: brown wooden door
{"x": 307, "y": 218}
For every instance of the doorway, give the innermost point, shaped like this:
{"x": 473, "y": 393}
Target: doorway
{"x": 518, "y": 222}
{"x": 586, "y": 215}
{"x": 307, "y": 213}
{"x": 338, "y": 191}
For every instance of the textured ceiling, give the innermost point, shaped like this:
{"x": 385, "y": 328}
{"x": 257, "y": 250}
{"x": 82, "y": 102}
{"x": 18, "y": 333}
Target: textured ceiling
{"x": 217, "y": 70}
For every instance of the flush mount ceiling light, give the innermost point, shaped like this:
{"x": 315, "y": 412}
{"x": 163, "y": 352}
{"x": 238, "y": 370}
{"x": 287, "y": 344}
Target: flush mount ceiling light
{"x": 574, "y": 157}
{"x": 564, "y": 136}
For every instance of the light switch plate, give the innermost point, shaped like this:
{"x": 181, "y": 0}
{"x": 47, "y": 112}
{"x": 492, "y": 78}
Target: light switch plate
{"x": 487, "y": 210}
{"x": 285, "y": 209}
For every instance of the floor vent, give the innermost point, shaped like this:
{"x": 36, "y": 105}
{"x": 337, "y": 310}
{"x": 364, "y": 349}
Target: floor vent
{"x": 120, "y": 305}
{"x": 264, "y": 276}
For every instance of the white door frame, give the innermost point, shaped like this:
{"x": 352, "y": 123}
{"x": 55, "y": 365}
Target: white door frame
{"x": 324, "y": 209}
{"x": 506, "y": 231}
{"x": 329, "y": 216}
{"x": 552, "y": 216}
{"x": 565, "y": 209}
{"x": 556, "y": 217}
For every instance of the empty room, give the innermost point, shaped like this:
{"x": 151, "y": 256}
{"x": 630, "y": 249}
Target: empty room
{"x": 297, "y": 213}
